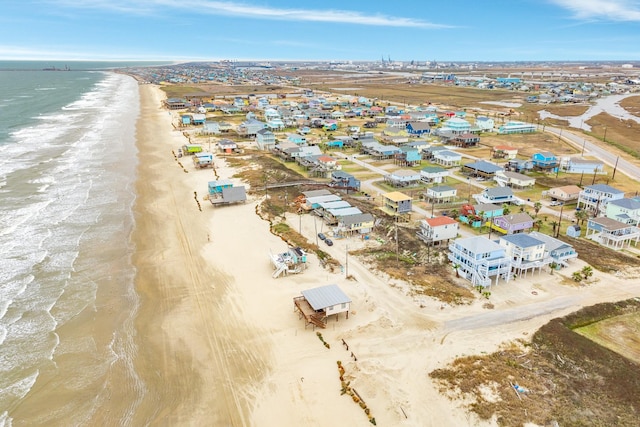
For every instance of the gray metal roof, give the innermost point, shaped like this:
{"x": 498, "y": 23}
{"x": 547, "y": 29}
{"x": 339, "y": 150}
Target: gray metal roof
{"x": 552, "y": 244}
{"x": 627, "y": 203}
{"x": 234, "y": 194}
{"x": 315, "y": 193}
{"x": 478, "y": 244}
{"x": 325, "y": 296}
{"x": 604, "y": 188}
{"x": 484, "y": 166}
{"x": 356, "y": 219}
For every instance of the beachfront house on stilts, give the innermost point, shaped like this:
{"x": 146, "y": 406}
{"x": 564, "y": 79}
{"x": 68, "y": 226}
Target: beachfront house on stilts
{"x": 317, "y": 304}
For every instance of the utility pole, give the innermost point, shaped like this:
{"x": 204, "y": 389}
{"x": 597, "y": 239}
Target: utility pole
{"x": 560, "y": 220}
{"x": 397, "y": 246}
{"x": 614, "y": 169}
{"x": 346, "y": 270}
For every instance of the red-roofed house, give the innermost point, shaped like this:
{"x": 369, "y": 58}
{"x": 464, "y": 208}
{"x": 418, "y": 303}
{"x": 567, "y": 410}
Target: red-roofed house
{"x": 438, "y": 229}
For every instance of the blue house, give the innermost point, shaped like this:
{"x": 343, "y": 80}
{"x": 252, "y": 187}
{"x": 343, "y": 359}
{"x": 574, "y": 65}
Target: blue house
{"x": 215, "y": 187}
{"x": 296, "y": 138}
{"x": 408, "y": 156}
{"x": 185, "y": 119}
{"x": 545, "y": 160}
{"x": 344, "y": 180}
{"x": 265, "y": 139}
{"x": 335, "y": 144}
{"x": 418, "y": 128}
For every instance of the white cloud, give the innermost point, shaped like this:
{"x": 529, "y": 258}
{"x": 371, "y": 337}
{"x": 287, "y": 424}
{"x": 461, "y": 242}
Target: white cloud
{"x": 614, "y": 10}
{"x": 247, "y": 10}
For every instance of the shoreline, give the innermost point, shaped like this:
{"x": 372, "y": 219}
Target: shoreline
{"x": 218, "y": 341}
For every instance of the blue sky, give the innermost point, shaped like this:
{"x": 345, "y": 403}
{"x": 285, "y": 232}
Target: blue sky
{"x": 180, "y": 30}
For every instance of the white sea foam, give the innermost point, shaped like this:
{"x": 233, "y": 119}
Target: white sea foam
{"x": 64, "y": 198}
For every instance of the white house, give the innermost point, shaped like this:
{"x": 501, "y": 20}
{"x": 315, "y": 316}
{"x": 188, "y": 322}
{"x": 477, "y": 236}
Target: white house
{"x": 317, "y": 304}
{"x": 594, "y": 198}
{"x": 525, "y": 252}
{"x": 513, "y": 179}
{"x": 480, "y": 260}
{"x": 434, "y": 174}
{"x": 438, "y": 229}
{"x": 441, "y": 193}
{"x": 447, "y": 158}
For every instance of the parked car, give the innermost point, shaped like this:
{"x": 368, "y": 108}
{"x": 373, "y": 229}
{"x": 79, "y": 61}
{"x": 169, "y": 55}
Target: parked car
{"x": 321, "y": 236}
{"x": 329, "y": 242}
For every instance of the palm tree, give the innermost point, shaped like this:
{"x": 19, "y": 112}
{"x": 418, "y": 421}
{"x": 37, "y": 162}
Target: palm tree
{"x": 554, "y": 224}
{"x": 456, "y": 267}
{"x": 587, "y": 271}
{"x": 537, "y": 223}
{"x": 505, "y": 209}
{"x": 454, "y": 213}
{"x": 582, "y": 216}
{"x": 577, "y": 276}
{"x": 536, "y": 207}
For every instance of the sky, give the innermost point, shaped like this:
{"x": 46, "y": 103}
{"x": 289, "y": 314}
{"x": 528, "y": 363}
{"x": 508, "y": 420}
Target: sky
{"x": 403, "y": 30}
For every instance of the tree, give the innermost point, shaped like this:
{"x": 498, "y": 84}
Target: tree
{"x": 577, "y": 276}
{"x": 587, "y": 271}
{"x": 456, "y": 267}
{"x": 536, "y": 207}
{"x": 537, "y": 223}
{"x": 554, "y": 224}
{"x": 505, "y": 209}
{"x": 455, "y": 213}
{"x": 581, "y": 216}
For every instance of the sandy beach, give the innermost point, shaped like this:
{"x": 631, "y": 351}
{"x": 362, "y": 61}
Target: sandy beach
{"x": 218, "y": 340}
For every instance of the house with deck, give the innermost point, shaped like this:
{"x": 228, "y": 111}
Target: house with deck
{"x": 481, "y": 261}
{"x": 525, "y": 252}
{"x": 396, "y": 204}
{"x": 441, "y": 194}
{"x": 560, "y": 252}
{"x": 612, "y": 233}
{"x": 229, "y": 195}
{"x": 447, "y": 158}
{"x": 512, "y": 223}
{"x": 485, "y": 124}
{"x": 215, "y": 187}
{"x": 265, "y": 139}
{"x": 514, "y": 179}
{"x": 504, "y": 152}
{"x": 580, "y": 165}
{"x": 317, "y": 304}
{"x": 625, "y": 210}
{"x": 594, "y": 198}
{"x": 481, "y": 169}
{"x": 516, "y": 127}
{"x": 340, "y": 179}
{"x": 403, "y": 178}
{"x": 565, "y": 194}
{"x": 496, "y": 195}
{"x": 250, "y": 128}
{"x": 418, "y": 128}
{"x": 359, "y": 223}
{"x": 438, "y": 229}
{"x": 545, "y": 161}
{"x": 435, "y": 174}
{"x": 408, "y": 156}
{"x": 465, "y": 140}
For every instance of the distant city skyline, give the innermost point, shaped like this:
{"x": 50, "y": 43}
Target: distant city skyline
{"x": 262, "y": 30}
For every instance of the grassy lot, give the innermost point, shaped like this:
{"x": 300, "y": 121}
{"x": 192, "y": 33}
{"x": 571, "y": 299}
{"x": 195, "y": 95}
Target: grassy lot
{"x": 619, "y": 333}
{"x": 567, "y": 378}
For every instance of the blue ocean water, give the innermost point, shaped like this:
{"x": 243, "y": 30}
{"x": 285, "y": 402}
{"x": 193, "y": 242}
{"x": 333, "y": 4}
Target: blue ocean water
{"x": 67, "y": 170}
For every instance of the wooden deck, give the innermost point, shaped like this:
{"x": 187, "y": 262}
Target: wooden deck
{"x": 310, "y": 315}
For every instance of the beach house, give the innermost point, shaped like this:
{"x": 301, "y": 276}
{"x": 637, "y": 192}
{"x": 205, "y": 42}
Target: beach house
{"x": 340, "y": 179}
{"x": 504, "y": 152}
{"x": 403, "y": 178}
{"x": 512, "y": 223}
{"x": 434, "y": 174}
{"x": 408, "y": 156}
{"x": 594, "y": 198}
{"x": 497, "y": 195}
{"x": 579, "y": 165}
{"x": 480, "y": 260}
{"x": 441, "y": 194}
{"x": 545, "y": 161}
{"x": 525, "y": 253}
{"x": 625, "y": 210}
{"x": 317, "y": 304}
{"x": 358, "y": 223}
{"x": 481, "y": 169}
{"x": 438, "y": 229}
{"x": 612, "y": 233}
{"x": 564, "y": 194}
{"x": 396, "y": 204}
{"x": 513, "y": 179}
{"x": 447, "y": 158}
{"x": 265, "y": 139}
{"x": 516, "y": 127}
{"x": 559, "y": 251}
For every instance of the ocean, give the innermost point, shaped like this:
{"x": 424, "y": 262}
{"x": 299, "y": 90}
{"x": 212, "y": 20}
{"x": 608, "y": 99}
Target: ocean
{"x": 67, "y": 174}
